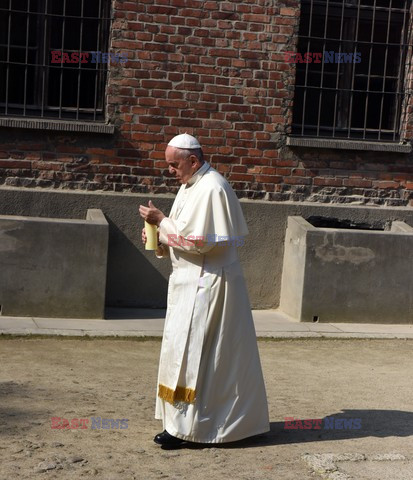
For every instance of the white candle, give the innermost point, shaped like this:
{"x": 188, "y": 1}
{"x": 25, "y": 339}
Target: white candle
{"x": 151, "y": 236}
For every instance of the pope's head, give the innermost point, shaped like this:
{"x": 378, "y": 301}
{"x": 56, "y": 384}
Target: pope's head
{"x": 184, "y": 157}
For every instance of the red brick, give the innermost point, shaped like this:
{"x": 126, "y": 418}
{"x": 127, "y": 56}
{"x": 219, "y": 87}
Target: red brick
{"x": 14, "y": 164}
{"x": 252, "y": 17}
{"x": 291, "y": 12}
{"x": 243, "y": 177}
{"x": 211, "y": 5}
{"x": 156, "y": 84}
{"x": 223, "y": 52}
{"x": 297, "y": 180}
{"x": 357, "y": 182}
{"x": 330, "y": 182}
{"x": 385, "y": 185}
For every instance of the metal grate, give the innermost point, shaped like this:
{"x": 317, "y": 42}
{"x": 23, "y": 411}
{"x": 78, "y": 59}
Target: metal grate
{"x": 31, "y": 84}
{"x": 348, "y": 99}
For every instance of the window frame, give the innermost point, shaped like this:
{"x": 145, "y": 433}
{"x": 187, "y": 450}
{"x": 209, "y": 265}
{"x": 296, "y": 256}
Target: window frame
{"x": 41, "y": 114}
{"x": 300, "y": 132}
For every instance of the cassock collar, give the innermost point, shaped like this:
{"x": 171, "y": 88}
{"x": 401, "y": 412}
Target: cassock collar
{"x": 206, "y": 166}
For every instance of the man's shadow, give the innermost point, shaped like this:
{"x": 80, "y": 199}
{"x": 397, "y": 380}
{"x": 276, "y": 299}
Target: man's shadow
{"x": 371, "y": 423}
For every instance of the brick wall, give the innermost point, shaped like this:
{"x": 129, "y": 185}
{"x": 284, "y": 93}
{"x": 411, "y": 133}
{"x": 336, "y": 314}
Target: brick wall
{"x": 214, "y": 69}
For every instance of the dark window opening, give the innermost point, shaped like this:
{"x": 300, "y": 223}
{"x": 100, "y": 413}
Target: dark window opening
{"x": 331, "y": 222}
{"x": 359, "y": 97}
{"x": 31, "y": 83}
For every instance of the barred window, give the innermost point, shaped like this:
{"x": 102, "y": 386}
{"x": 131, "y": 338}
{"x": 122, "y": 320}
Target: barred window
{"x": 356, "y": 89}
{"x": 37, "y": 38}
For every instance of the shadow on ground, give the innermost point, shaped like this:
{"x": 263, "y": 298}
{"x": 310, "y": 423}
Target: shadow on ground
{"x": 12, "y": 419}
{"x": 372, "y": 423}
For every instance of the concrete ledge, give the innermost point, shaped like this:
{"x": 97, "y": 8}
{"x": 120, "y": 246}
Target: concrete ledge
{"x": 401, "y": 227}
{"x": 53, "y": 267}
{"x": 269, "y": 324}
{"x": 96, "y": 216}
{"x": 349, "y": 144}
{"x": 59, "y": 125}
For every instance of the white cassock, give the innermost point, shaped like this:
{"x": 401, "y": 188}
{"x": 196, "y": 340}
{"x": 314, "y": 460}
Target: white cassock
{"x": 210, "y": 383}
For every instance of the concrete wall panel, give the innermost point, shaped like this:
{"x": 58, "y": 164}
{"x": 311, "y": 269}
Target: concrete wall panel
{"x": 53, "y": 267}
{"x": 348, "y": 275}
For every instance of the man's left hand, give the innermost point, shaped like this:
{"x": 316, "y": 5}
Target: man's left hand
{"x": 151, "y": 214}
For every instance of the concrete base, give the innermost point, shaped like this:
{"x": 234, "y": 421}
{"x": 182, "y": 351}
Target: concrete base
{"x": 136, "y": 278}
{"x": 53, "y": 267}
{"x": 347, "y": 275}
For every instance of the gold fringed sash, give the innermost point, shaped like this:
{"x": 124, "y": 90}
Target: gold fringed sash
{"x": 180, "y": 394}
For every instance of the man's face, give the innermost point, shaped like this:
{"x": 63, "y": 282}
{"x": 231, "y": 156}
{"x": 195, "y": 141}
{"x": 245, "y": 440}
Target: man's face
{"x": 181, "y": 168}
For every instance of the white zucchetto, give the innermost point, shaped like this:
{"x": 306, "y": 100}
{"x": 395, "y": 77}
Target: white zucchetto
{"x": 184, "y": 141}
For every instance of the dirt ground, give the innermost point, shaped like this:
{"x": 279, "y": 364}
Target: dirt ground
{"x": 41, "y": 378}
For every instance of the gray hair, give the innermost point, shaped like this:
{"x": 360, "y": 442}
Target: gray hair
{"x": 186, "y": 152}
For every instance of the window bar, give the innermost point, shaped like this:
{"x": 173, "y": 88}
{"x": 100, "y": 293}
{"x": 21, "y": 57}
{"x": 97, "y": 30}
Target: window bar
{"x": 320, "y": 96}
{"x": 62, "y": 66}
{"x": 8, "y": 61}
{"x": 79, "y": 73}
{"x": 104, "y": 33}
{"x": 405, "y": 100}
{"x": 45, "y": 57}
{"x": 398, "y": 94}
{"x": 338, "y": 71}
{"x": 385, "y": 72}
{"x": 26, "y": 57}
{"x": 306, "y": 68}
{"x": 97, "y": 71}
{"x": 366, "y": 105}
{"x": 354, "y": 72}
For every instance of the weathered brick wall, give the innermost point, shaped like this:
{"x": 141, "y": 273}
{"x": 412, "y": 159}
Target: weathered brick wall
{"x": 214, "y": 69}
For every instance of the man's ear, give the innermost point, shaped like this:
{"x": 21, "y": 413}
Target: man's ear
{"x": 194, "y": 160}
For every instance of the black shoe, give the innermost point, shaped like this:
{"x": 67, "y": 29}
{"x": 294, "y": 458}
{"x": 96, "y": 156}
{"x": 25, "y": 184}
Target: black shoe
{"x": 166, "y": 440}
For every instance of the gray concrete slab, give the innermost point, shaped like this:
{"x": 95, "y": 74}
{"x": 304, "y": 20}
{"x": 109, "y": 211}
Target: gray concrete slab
{"x": 136, "y": 325}
{"x": 17, "y": 322}
{"x": 149, "y": 323}
{"x": 53, "y": 266}
{"x": 334, "y": 275}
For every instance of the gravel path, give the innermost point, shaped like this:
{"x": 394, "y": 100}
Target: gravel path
{"x": 41, "y": 378}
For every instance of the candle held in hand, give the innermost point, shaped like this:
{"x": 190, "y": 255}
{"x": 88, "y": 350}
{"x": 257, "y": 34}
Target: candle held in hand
{"x": 151, "y": 237}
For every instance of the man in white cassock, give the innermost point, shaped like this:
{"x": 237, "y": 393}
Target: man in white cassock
{"x": 210, "y": 384}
